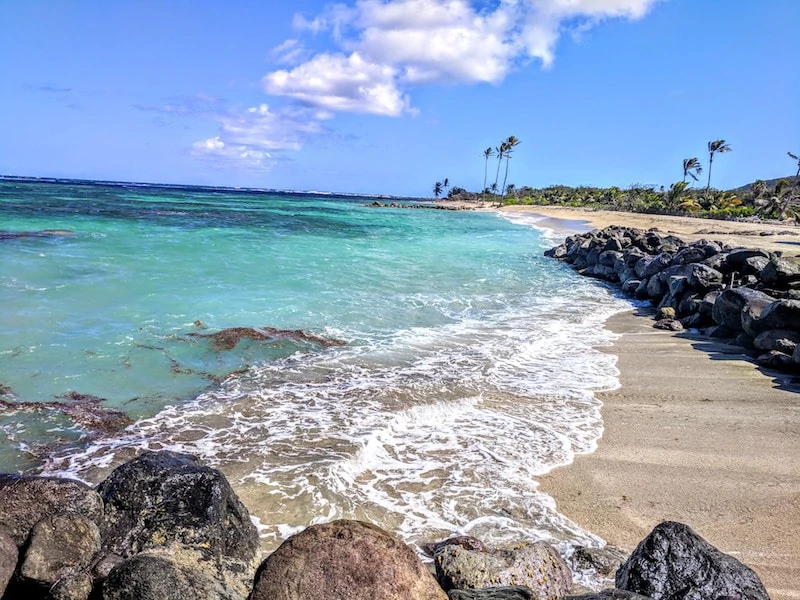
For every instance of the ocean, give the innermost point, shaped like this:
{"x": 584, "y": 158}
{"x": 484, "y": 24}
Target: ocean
{"x": 419, "y": 369}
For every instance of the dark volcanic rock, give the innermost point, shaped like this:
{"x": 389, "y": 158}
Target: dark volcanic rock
{"x": 164, "y": 497}
{"x": 737, "y": 256}
{"x": 514, "y": 592}
{"x": 608, "y": 595}
{"x": 465, "y": 541}
{"x": 783, "y": 340}
{"x": 155, "y": 577}
{"x": 780, "y": 272}
{"x": 344, "y": 559}
{"x": 26, "y": 500}
{"x": 774, "y": 360}
{"x": 729, "y": 304}
{"x": 783, "y": 314}
{"x": 537, "y": 566}
{"x": 59, "y": 544}
{"x": 9, "y": 555}
{"x": 674, "y": 562}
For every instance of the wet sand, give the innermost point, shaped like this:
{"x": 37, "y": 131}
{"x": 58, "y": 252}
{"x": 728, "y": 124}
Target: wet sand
{"x": 696, "y": 433}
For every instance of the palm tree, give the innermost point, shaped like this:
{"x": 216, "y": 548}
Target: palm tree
{"x": 794, "y": 157}
{"x": 692, "y": 168}
{"x": 511, "y": 143}
{"x": 487, "y": 154}
{"x": 437, "y": 189}
{"x": 446, "y": 184}
{"x": 714, "y": 147}
{"x": 501, "y": 152}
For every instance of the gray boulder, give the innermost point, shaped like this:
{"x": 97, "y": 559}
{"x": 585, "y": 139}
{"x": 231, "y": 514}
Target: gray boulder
{"x": 24, "y": 501}
{"x": 59, "y": 544}
{"x": 537, "y": 566}
{"x": 782, "y": 314}
{"x": 775, "y": 360}
{"x": 604, "y": 561}
{"x": 152, "y": 576}
{"x": 729, "y": 304}
{"x": 161, "y": 498}
{"x": 754, "y": 265}
{"x": 344, "y": 559}
{"x": 668, "y": 325}
{"x": 9, "y": 555}
{"x": 76, "y": 585}
{"x": 780, "y": 272}
{"x": 737, "y": 256}
{"x": 703, "y": 278}
{"x": 783, "y": 340}
{"x": 674, "y": 562}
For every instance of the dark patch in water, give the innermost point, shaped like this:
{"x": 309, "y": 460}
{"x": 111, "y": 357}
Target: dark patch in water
{"x": 228, "y": 339}
{"x": 84, "y": 410}
{"x": 46, "y": 233}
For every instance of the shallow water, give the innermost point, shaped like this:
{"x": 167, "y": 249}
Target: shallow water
{"x": 470, "y": 366}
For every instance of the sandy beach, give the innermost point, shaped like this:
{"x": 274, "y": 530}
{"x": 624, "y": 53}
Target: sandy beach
{"x": 696, "y": 433}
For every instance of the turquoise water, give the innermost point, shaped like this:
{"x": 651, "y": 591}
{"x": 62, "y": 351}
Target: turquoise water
{"x": 469, "y": 365}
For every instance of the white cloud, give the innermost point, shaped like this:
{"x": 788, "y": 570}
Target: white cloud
{"x": 386, "y": 45}
{"x": 339, "y": 83}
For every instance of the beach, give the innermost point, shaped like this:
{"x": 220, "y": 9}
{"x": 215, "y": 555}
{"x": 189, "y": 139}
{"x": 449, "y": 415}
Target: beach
{"x": 695, "y": 433}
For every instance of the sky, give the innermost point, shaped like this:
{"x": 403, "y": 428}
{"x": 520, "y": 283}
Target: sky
{"x": 389, "y": 96}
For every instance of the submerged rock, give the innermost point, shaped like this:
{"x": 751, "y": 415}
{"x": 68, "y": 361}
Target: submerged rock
{"x": 344, "y": 559}
{"x": 514, "y": 592}
{"x": 228, "y": 339}
{"x": 674, "y": 562}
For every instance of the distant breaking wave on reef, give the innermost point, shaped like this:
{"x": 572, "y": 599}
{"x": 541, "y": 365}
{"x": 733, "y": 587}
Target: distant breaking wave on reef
{"x": 470, "y": 366}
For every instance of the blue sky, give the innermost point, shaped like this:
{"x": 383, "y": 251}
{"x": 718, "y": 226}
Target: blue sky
{"x": 387, "y": 96}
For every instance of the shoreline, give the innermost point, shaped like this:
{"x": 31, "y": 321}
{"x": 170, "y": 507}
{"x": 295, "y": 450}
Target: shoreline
{"x": 695, "y": 433}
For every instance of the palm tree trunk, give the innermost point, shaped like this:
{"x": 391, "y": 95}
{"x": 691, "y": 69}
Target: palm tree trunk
{"x": 505, "y": 177}
{"x": 710, "y": 162}
{"x": 499, "y": 161}
{"x": 485, "y": 172}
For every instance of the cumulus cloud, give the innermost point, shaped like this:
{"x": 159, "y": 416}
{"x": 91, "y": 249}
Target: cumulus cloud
{"x": 339, "y": 83}
{"x": 386, "y": 46}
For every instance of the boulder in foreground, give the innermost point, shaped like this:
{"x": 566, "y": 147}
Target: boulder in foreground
{"x": 675, "y": 563}
{"x": 344, "y": 559}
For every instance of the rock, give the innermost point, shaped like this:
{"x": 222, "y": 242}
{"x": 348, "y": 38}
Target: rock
{"x": 780, "y": 272}
{"x": 537, "y": 566}
{"x": 694, "y": 321}
{"x": 631, "y": 286}
{"x": 609, "y": 257}
{"x": 668, "y": 325}
{"x": 9, "y": 555}
{"x": 783, "y": 340}
{"x": 149, "y": 576}
{"x": 690, "y": 254}
{"x": 345, "y": 559}
{"x": 707, "y": 304}
{"x": 656, "y": 265}
{"x": 782, "y": 314}
{"x": 796, "y": 355}
{"x": 744, "y": 340}
{"x": 77, "y": 585}
{"x": 674, "y": 562}
{"x": 774, "y": 360}
{"x": 721, "y": 332}
{"x": 465, "y": 541}
{"x": 754, "y": 265}
{"x": 667, "y": 312}
{"x": 105, "y": 564}
{"x": 655, "y": 289}
{"x": 24, "y": 501}
{"x": 736, "y": 257}
{"x": 600, "y": 272}
{"x": 604, "y": 561}
{"x": 703, "y": 278}
{"x": 729, "y": 304}
{"x": 59, "y": 544}
{"x": 514, "y": 592}
{"x": 608, "y": 595}
{"x": 161, "y": 498}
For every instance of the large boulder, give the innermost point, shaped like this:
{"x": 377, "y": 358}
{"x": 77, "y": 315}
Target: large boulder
{"x": 782, "y": 314}
{"x": 9, "y": 555}
{"x": 609, "y": 594}
{"x": 780, "y": 272}
{"x": 729, "y": 304}
{"x": 537, "y": 566}
{"x": 154, "y": 576}
{"x": 59, "y": 544}
{"x": 24, "y": 501}
{"x": 775, "y": 359}
{"x": 674, "y": 562}
{"x": 161, "y": 498}
{"x": 783, "y": 340}
{"x": 604, "y": 561}
{"x": 344, "y": 559}
{"x": 702, "y": 277}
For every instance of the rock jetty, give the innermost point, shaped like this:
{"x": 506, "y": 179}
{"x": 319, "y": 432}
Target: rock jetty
{"x": 747, "y": 296}
{"x": 164, "y": 527}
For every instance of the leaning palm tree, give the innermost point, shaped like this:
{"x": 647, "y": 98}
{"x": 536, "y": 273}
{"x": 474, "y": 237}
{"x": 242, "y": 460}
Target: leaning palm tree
{"x": 446, "y": 184}
{"x": 714, "y": 147}
{"x": 691, "y": 168}
{"x": 500, "y": 151}
{"x": 794, "y": 157}
{"x": 511, "y": 143}
{"x": 487, "y": 154}
{"x": 437, "y": 189}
